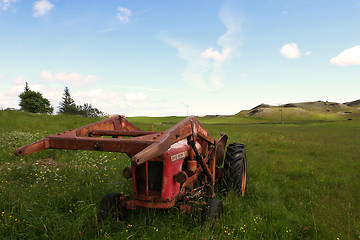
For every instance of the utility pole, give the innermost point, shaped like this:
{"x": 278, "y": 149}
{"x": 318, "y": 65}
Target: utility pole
{"x": 281, "y": 114}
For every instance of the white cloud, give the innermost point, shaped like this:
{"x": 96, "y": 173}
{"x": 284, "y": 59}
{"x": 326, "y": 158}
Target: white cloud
{"x": 11, "y": 96}
{"x": 216, "y": 55}
{"x": 73, "y": 79}
{"x": 19, "y": 80}
{"x": 9, "y": 99}
{"x": 16, "y": 90}
{"x": 104, "y": 100}
{"x": 6, "y": 101}
{"x": 196, "y": 68}
{"x": 134, "y": 98}
{"x": 68, "y": 78}
{"x": 290, "y": 51}
{"x": 243, "y": 75}
{"x": 19, "y": 86}
{"x": 350, "y": 56}
{"x": 41, "y": 7}
{"x": 6, "y": 4}
{"x": 205, "y": 67}
{"x": 307, "y": 53}
{"x": 97, "y": 95}
{"x": 149, "y": 89}
{"x": 231, "y": 38}
{"x": 3, "y": 76}
{"x": 123, "y": 14}
{"x": 46, "y": 76}
{"x": 53, "y": 94}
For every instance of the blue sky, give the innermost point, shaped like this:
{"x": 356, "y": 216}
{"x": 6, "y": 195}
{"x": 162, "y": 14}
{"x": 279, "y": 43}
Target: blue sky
{"x": 161, "y": 58}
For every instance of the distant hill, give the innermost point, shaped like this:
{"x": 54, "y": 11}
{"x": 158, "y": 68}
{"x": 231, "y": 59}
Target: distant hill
{"x": 354, "y": 103}
{"x": 306, "y": 110}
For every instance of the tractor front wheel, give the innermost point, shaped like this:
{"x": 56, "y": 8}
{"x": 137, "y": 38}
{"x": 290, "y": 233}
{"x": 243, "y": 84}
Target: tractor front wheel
{"x": 110, "y": 207}
{"x": 212, "y": 210}
{"x": 235, "y": 168}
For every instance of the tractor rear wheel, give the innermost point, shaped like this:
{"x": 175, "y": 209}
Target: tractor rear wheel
{"x": 212, "y": 210}
{"x": 235, "y": 168}
{"x": 110, "y": 207}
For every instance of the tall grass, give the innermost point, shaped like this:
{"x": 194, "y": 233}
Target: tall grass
{"x": 303, "y": 183}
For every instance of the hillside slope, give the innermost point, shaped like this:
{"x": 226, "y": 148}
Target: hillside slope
{"x": 306, "y": 110}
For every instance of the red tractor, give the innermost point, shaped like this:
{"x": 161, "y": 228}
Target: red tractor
{"x": 169, "y": 168}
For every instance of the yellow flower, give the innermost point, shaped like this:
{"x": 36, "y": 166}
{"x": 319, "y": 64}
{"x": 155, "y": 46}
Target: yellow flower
{"x": 70, "y": 211}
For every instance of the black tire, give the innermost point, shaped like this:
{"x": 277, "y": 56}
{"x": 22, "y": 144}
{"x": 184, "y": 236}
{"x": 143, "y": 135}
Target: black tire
{"x": 110, "y": 207}
{"x": 212, "y": 210}
{"x": 235, "y": 168}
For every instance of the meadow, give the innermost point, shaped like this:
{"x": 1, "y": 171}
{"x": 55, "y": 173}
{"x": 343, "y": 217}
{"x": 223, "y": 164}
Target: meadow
{"x": 303, "y": 183}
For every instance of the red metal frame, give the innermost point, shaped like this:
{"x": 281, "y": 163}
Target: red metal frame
{"x": 150, "y": 152}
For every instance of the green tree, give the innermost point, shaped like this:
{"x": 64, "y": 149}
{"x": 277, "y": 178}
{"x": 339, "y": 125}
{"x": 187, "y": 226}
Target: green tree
{"x": 34, "y": 102}
{"x": 88, "y": 111}
{"x": 67, "y": 105}
{"x": 26, "y": 87}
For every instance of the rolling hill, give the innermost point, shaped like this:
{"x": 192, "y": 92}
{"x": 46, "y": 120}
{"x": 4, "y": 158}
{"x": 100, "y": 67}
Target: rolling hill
{"x": 322, "y": 110}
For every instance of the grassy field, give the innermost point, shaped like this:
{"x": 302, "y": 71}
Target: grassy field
{"x": 303, "y": 183}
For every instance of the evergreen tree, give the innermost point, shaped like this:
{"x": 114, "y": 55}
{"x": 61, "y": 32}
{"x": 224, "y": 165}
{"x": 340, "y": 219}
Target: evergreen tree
{"x": 67, "y": 105}
{"x": 26, "y": 89}
{"x": 88, "y": 111}
{"x": 34, "y": 102}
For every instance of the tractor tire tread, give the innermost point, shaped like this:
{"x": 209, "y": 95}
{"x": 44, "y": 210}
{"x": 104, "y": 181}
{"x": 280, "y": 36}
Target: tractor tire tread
{"x": 212, "y": 210}
{"x": 110, "y": 207}
{"x": 233, "y": 166}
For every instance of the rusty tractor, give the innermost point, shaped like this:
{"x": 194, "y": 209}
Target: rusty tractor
{"x": 178, "y": 167}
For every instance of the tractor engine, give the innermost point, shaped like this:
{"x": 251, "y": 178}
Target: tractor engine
{"x": 156, "y": 183}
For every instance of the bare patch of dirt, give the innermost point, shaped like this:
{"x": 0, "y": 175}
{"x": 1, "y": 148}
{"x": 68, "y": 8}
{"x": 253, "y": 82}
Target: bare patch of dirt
{"x": 260, "y": 112}
{"x": 289, "y": 105}
{"x": 261, "y": 106}
{"x": 47, "y": 162}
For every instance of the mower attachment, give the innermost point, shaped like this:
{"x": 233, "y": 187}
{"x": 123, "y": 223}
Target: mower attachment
{"x": 142, "y": 147}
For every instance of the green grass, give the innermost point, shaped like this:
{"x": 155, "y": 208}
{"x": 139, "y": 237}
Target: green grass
{"x": 303, "y": 183}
